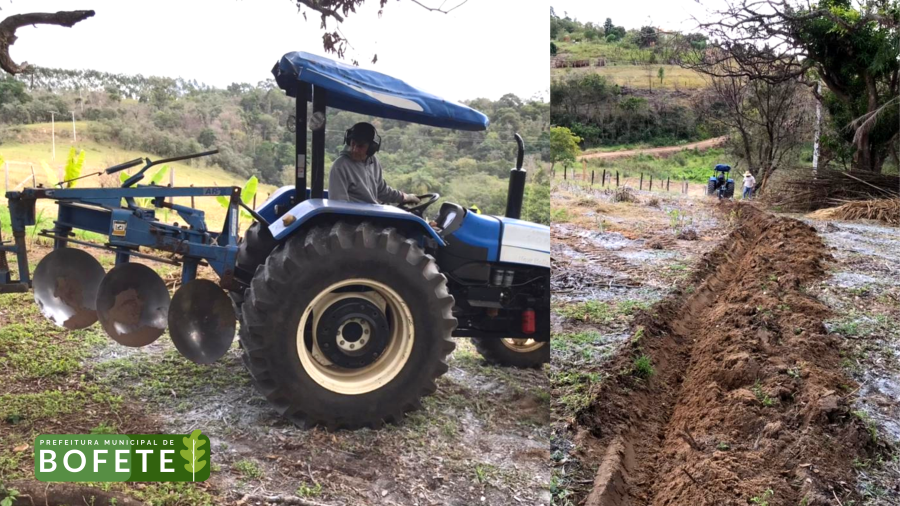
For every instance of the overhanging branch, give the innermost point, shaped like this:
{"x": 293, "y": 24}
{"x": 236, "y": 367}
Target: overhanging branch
{"x": 9, "y": 26}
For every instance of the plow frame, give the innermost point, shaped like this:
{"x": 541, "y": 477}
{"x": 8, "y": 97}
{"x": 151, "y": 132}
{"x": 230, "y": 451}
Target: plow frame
{"x": 128, "y": 227}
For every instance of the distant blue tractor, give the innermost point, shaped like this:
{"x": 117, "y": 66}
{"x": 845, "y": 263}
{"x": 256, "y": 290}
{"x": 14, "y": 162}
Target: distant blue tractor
{"x": 346, "y": 310}
{"x": 719, "y": 183}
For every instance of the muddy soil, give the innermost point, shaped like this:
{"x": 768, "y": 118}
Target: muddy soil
{"x": 862, "y": 288}
{"x": 481, "y": 439}
{"x": 731, "y": 390}
{"x": 611, "y": 260}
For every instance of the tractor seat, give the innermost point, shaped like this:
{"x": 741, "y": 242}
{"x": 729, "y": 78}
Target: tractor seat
{"x": 450, "y": 218}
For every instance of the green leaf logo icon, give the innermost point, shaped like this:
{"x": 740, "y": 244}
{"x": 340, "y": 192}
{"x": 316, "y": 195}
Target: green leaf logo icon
{"x": 192, "y": 453}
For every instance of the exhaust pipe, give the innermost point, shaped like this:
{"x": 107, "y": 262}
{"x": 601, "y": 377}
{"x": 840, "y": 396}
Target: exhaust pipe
{"x": 516, "y": 192}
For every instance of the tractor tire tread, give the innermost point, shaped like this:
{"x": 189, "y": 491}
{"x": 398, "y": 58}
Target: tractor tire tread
{"x": 264, "y": 310}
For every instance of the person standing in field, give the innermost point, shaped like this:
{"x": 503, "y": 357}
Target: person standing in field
{"x": 749, "y": 184}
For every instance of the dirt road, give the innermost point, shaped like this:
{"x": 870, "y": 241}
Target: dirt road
{"x": 662, "y": 151}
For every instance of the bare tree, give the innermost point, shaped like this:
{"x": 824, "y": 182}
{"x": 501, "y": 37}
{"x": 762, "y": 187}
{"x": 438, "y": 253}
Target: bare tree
{"x": 770, "y": 119}
{"x": 851, "y": 48}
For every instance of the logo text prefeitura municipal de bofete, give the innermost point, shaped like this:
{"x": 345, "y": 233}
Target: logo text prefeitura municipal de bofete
{"x": 114, "y": 457}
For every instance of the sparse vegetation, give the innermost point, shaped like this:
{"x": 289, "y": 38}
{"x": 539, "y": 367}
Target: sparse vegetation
{"x": 762, "y": 396}
{"x": 643, "y": 367}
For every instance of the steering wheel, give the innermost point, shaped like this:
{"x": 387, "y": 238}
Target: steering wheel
{"x": 425, "y": 200}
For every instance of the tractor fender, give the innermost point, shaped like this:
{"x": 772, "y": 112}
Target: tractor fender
{"x": 312, "y": 210}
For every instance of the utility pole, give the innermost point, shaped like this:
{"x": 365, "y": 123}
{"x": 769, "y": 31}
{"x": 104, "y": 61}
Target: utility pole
{"x": 74, "y": 139}
{"x": 53, "y": 133}
{"x": 818, "y": 127}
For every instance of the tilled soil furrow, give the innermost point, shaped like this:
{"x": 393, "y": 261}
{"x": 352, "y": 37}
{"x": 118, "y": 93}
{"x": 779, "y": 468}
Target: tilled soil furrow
{"x": 748, "y": 399}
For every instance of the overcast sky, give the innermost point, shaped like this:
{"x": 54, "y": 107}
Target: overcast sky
{"x": 486, "y": 48}
{"x": 665, "y": 14}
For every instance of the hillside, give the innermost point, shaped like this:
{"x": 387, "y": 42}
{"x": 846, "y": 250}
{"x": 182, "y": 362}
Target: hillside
{"x": 121, "y": 116}
{"x": 37, "y": 147}
{"x": 613, "y": 86}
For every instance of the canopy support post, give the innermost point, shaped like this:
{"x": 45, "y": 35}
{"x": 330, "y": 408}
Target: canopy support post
{"x": 300, "y": 144}
{"x": 317, "y": 185}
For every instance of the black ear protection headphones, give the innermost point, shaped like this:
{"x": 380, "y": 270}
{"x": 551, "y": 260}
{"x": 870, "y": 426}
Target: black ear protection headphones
{"x": 374, "y": 143}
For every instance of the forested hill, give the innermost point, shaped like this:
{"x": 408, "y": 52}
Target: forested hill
{"x": 611, "y": 85}
{"x": 249, "y": 125}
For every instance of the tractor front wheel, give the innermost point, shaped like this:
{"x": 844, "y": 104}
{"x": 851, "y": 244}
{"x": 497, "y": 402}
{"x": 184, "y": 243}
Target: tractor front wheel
{"x": 347, "y": 326}
{"x": 514, "y": 352}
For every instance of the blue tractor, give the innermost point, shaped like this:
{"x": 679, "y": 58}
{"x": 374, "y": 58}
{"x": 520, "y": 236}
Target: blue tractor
{"x": 347, "y": 311}
{"x": 719, "y": 183}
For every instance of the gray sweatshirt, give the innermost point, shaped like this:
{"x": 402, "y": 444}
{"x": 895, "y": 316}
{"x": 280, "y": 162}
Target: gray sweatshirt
{"x": 360, "y": 182}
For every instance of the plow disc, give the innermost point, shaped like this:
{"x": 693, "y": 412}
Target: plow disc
{"x": 65, "y": 287}
{"x": 133, "y": 304}
{"x": 202, "y": 321}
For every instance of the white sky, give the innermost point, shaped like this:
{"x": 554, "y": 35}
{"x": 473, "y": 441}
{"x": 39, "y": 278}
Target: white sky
{"x": 665, "y": 14}
{"x": 486, "y": 48}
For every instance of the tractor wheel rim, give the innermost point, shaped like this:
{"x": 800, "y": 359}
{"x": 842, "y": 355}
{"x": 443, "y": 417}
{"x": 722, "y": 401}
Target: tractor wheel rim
{"x": 522, "y": 345}
{"x": 373, "y": 376}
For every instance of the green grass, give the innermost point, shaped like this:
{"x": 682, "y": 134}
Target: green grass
{"x": 690, "y": 164}
{"x": 762, "y": 396}
{"x": 305, "y": 490}
{"x": 159, "y": 378}
{"x": 763, "y": 499}
{"x": 612, "y": 52}
{"x": 574, "y": 388}
{"x": 51, "y": 404}
{"x": 642, "y": 367}
{"x": 248, "y": 469}
{"x": 635, "y": 76}
{"x": 31, "y": 347}
{"x": 559, "y": 215}
{"x": 593, "y": 311}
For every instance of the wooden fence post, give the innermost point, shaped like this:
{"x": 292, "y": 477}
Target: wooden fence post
{"x": 617, "y": 179}
{"x": 651, "y": 182}
{"x": 667, "y": 183}
{"x": 641, "y": 187}
{"x": 592, "y": 178}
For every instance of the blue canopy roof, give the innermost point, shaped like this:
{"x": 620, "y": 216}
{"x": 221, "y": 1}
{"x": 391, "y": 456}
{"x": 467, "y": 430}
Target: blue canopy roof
{"x": 723, "y": 168}
{"x": 373, "y": 93}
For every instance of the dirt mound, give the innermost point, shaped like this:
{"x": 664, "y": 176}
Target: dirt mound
{"x": 743, "y": 396}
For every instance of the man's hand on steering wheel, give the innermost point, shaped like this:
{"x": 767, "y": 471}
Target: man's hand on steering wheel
{"x": 417, "y": 204}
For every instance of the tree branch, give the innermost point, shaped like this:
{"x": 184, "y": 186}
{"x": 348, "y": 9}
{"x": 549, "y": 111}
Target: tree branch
{"x": 9, "y": 26}
{"x": 440, "y": 7}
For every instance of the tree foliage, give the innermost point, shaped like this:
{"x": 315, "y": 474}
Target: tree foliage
{"x": 563, "y": 146}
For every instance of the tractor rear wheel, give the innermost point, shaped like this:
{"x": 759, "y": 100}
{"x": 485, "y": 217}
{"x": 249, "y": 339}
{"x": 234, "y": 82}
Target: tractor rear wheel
{"x": 514, "y": 352}
{"x": 711, "y": 188}
{"x": 729, "y": 189}
{"x": 347, "y": 326}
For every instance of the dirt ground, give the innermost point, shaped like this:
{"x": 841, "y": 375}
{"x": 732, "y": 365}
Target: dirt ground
{"x": 752, "y": 365}
{"x": 482, "y": 438}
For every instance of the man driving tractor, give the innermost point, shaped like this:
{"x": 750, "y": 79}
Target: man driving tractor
{"x": 356, "y": 175}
